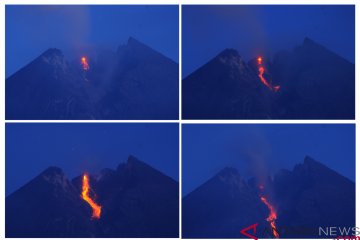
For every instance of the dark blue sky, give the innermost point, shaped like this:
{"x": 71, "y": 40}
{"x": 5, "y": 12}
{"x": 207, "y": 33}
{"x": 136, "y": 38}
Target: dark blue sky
{"x": 30, "y": 30}
{"x": 31, "y": 148}
{"x": 263, "y": 30}
{"x": 263, "y": 149}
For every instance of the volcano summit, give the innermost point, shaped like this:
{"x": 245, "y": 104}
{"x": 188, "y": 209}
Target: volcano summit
{"x": 292, "y": 204}
{"x": 310, "y": 82}
{"x": 135, "y": 82}
{"x": 135, "y": 200}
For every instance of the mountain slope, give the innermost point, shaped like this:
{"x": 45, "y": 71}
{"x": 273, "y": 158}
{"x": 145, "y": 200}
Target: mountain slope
{"x": 136, "y": 201}
{"x": 221, "y": 207}
{"x": 319, "y": 84}
{"x": 315, "y": 83}
{"x": 226, "y": 87}
{"x": 47, "y": 206}
{"x": 147, "y": 82}
{"x": 136, "y": 82}
{"x": 309, "y": 197}
{"x": 47, "y": 88}
{"x": 313, "y": 195}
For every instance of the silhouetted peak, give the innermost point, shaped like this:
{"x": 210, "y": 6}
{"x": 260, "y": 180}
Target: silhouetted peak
{"x": 55, "y": 176}
{"x": 229, "y": 52}
{"x": 134, "y": 162}
{"x": 311, "y": 166}
{"x": 134, "y": 168}
{"x": 323, "y": 54}
{"x": 134, "y": 49}
{"x": 228, "y": 171}
{"x": 132, "y": 41}
{"x": 308, "y": 41}
{"x": 230, "y": 175}
{"x": 131, "y": 163}
{"x": 132, "y": 158}
{"x": 311, "y": 44}
{"x": 53, "y": 56}
{"x": 137, "y": 46}
{"x": 52, "y": 52}
{"x": 309, "y": 160}
{"x": 230, "y": 57}
{"x": 52, "y": 171}
{"x": 312, "y": 163}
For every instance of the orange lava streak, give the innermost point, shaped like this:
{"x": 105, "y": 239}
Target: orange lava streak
{"x": 85, "y": 195}
{"x": 263, "y": 80}
{"x": 272, "y": 216}
{"x": 85, "y": 64}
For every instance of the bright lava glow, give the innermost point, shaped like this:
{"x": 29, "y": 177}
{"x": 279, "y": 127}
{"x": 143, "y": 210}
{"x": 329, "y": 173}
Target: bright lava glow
{"x": 272, "y": 216}
{"x": 84, "y": 64}
{"x": 85, "y": 195}
{"x": 262, "y": 78}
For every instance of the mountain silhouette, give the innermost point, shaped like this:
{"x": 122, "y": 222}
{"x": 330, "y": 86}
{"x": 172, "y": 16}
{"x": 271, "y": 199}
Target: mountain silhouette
{"x": 136, "y": 201}
{"x": 308, "y": 197}
{"x": 135, "y": 82}
{"x": 315, "y": 83}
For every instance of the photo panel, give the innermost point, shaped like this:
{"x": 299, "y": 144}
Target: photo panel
{"x": 92, "y": 62}
{"x": 118, "y": 180}
{"x": 268, "y": 181}
{"x": 268, "y": 62}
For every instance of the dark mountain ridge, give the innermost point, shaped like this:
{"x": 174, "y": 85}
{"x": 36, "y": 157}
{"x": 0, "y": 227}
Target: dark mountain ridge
{"x": 310, "y": 196}
{"x": 136, "y": 201}
{"x": 134, "y": 82}
{"x": 315, "y": 83}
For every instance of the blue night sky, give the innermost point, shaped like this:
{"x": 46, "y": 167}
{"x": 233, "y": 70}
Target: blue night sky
{"x": 31, "y": 148}
{"x": 30, "y": 30}
{"x": 263, "y": 149}
{"x": 263, "y": 30}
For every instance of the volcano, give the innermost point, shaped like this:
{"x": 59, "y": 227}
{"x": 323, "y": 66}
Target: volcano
{"x": 133, "y": 83}
{"x": 310, "y": 82}
{"x": 302, "y": 200}
{"x": 136, "y": 201}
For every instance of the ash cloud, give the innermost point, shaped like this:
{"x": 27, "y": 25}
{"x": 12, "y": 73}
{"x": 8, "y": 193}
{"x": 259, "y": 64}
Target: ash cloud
{"x": 253, "y": 151}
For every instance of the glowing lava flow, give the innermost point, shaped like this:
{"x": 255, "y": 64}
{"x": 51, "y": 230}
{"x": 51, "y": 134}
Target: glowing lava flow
{"x": 85, "y": 195}
{"x": 272, "y": 216}
{"x": 263, "y": 80}
{"x": 84, "y": 64}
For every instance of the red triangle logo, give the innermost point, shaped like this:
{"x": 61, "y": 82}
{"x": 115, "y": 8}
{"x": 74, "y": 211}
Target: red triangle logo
{"x": 245, "y": 231}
